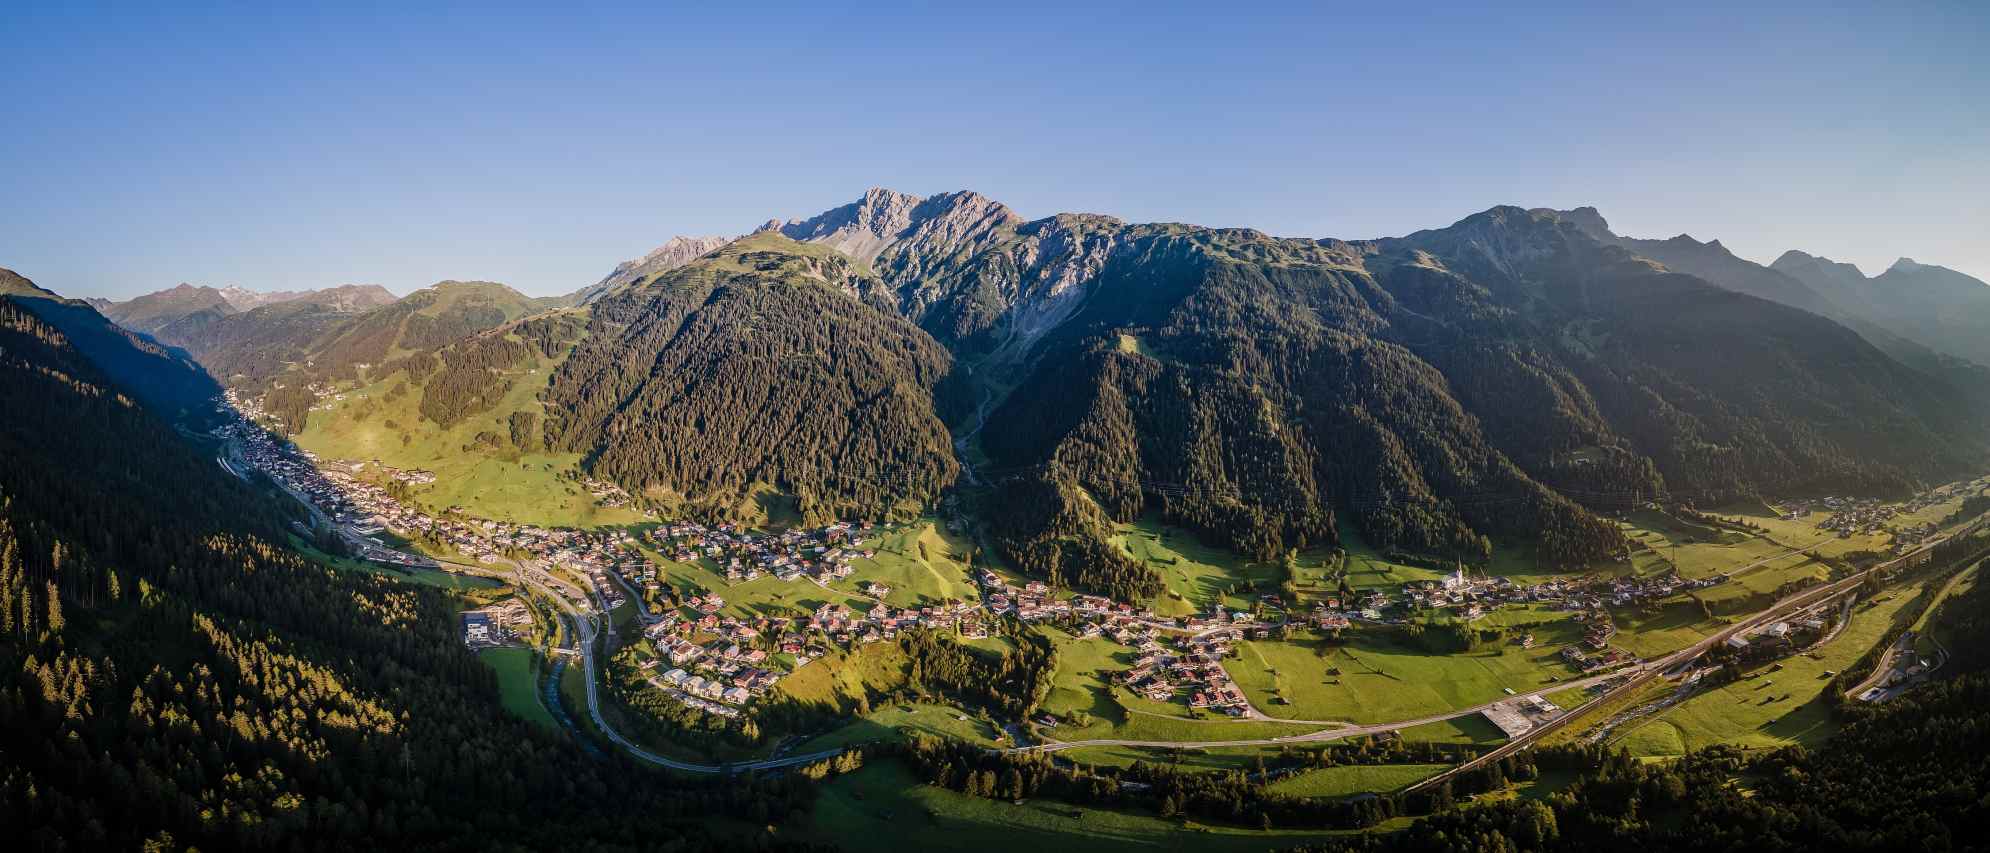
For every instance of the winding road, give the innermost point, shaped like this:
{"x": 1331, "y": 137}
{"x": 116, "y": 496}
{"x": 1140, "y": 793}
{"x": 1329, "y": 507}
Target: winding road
{"x": 588, "y": 621}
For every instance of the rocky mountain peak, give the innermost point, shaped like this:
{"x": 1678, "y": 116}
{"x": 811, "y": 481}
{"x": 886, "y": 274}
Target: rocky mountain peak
{"x": 675, "y": 252}
{"x": 885, "y": 219}
{"x": 1589, "y": 220}
{"x": 1808, "y": 267}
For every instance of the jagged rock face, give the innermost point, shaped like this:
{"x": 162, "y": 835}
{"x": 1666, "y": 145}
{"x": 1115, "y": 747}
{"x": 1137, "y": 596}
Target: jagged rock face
{"x": 674, "y": 253}
{"x": 965, "y": 267}
{"x": 244, "y": 299}
{"x": 903, "y": 232}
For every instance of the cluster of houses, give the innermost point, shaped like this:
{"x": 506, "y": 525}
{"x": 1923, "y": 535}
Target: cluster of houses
{"x": 714, "y": 664}
{"x": 719, "y": 663}
{"x": 1473, "y": 596}
{"x": 1192, "y": 668}
{"x": 605, "y": 493}
{"x": 343, "y": 494}
{"x": 821, "y": 554}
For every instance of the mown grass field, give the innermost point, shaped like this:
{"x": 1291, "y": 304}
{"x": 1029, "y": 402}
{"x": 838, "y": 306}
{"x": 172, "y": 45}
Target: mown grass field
{"x": 941, "y": 574}
{"x": 1197, "y": 576}
{"x": 1368, "y": 569}
{"x": 1700, "y": 550}
{"x": 1347, "y": 780}
{"x": 1472, "y": 729}
{"x": 1927, "y": 632}
{"x": 838, "y": 680}
{"x": 1080, "y": 685}
{"x": 1381, "y": 679}
{"x": 921, "y": 564}
{"x": 895, "y": 722}
{"x": 885, "y": 801}
{"x": 1768, "y": 708}
{"x": 518, "y": 683}
{"x": 1678, "y": 624}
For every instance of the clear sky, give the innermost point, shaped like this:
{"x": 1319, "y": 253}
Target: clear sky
{"x": 147, "y": 146}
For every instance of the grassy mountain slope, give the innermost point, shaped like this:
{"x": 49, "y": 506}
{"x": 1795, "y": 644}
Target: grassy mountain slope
{"x": 187, "y": 306}
{"x": 470, "y": 413}
{"x": 674, "y": 253}
{"x": 410, "y": 329}
{"x": 178, "y": 679}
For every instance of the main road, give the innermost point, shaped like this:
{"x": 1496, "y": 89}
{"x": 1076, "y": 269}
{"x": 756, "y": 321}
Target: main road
{"x": 588, "y": 629}
{"x": 1780, "y": 610}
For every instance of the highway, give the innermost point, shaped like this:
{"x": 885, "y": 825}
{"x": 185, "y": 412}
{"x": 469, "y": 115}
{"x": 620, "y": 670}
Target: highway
{"x": 1780, "y": 610}
{"x": 589, "y": 621}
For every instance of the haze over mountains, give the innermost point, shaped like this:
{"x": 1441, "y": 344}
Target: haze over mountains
{"x": 1504, "y": 383}
{"x": 1505, "y": 377}
{"x": 1928, "y": 317}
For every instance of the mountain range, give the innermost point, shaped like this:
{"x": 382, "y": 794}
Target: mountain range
{"x": 1501, "y": 382}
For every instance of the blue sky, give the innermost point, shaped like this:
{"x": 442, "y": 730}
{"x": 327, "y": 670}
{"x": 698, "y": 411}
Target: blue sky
{"x": 148, "y": 146}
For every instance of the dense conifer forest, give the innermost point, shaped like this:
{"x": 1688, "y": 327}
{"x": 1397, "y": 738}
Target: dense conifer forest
{"x": 760, "y": 367}
{"x": 178, "y": 677}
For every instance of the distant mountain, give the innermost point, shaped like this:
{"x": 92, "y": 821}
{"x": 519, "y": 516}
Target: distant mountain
{"x": 181, "y": 314}
{"x": 1933, "y": 305}
{"x": 1429, "y": 388}
{"x": 165, "y": 378}
{"x": 412, "y": 327}
{"x": 252, "y": 346}
{"x": 1817, "y": 291}
{"x": 185, "y": 309}
{"x": 1494, "y": 383}
{"x": 1711, "y": 261}
{"x": 766, "y": 367}
{"x": 674, "y": 253}
{"x": 345, "y": 297}
{"x": 151, "y": 596}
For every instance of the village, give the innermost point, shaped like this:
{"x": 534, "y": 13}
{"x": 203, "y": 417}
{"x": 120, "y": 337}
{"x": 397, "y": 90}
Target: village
{"x": 1848, "y": 517}
{"x": 719, "y": 663}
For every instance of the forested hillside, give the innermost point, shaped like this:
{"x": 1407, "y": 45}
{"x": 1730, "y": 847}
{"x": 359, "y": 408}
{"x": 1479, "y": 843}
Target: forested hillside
{"x": 344, "y": 346}
{"x": 187, "y": 307}
{"x": 1247, "y": 398}
{"x": 1890, "y": 318}
{"x": 1496, "y": 382}
{"x": 250, "y": 347}
{"x": 1426, "y": 387}
{"x": 1936, "y": 306}
{"x": 768, "y": 365}
{"x": 163, "y": 377}
{"x": 180, "y": 679}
